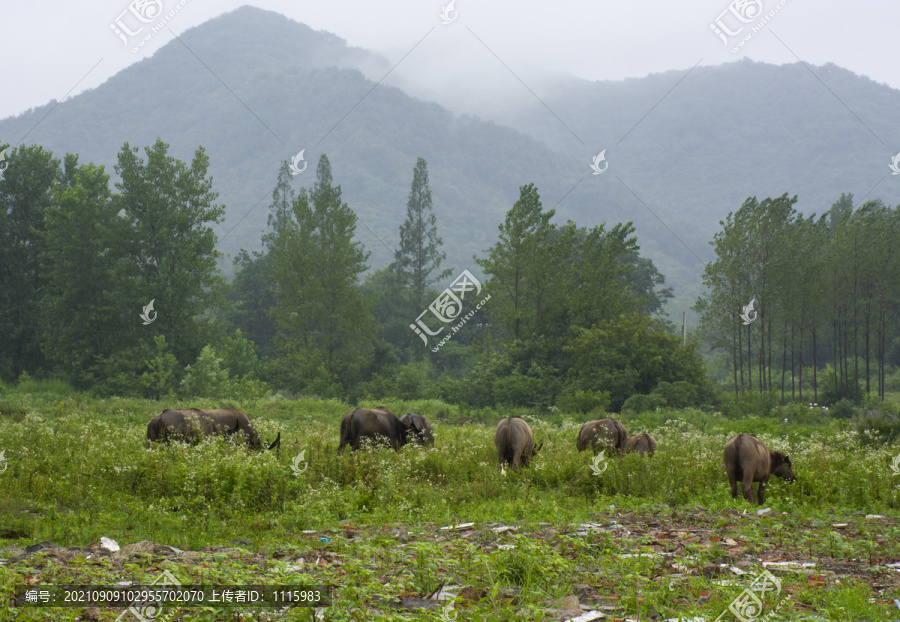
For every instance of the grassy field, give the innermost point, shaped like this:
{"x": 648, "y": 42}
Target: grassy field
{"x": 649, "y": 538}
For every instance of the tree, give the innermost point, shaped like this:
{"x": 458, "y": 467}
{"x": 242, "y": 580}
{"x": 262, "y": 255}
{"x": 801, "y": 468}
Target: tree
{"x": 159, "y": 377}
{"x": 253, "y": 297}
{"x": 523, "y": 266}
{"x": 25, "y": 194}
{"x": 324, "y": 320}
{"x": 81, "y": 254}
{"x": 166, "y": 209}
{"x": 631, "y": 354}
{"x": 419, "y": 254}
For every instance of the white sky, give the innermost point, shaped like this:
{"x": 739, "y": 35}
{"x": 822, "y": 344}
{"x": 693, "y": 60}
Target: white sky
{"x": 48, "y": 47}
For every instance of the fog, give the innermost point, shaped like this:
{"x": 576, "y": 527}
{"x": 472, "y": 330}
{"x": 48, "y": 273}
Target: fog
{"x": 487, "y": 54}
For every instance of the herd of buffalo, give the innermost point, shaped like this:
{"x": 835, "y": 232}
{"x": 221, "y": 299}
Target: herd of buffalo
{"x": 746, "y": 457}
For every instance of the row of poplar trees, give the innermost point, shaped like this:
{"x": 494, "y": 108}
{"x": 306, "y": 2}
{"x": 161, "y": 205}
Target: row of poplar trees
{"x": 825, "y": 294}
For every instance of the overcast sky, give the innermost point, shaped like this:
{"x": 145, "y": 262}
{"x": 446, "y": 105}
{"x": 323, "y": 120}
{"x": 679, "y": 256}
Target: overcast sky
{"x": 53, "y": 48}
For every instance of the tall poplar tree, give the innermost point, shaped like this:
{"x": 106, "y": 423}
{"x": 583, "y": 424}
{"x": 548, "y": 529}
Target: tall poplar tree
{"x": 24, "y": 197}
{"x": 419, "y": 255}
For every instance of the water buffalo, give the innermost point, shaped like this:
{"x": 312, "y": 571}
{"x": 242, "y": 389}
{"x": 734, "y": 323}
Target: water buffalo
{"x": 425, "y": 434}
{"x": 191, "y": 424}
{"x": 747, "y": 459}
{"x": 640, "y": 443}
{"x": 376, "y": 424}
{"x": 514, "y": 441}
{"x": 606, "y": 431}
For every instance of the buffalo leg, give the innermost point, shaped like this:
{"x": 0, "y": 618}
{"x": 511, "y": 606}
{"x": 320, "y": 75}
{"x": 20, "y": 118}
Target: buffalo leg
{"x": 762, "y": 488}
{"x": 747, "y": 487}
{"x": 733, "y": 477}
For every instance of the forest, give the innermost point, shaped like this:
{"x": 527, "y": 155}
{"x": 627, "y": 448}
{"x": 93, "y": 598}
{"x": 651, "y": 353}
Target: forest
{"x": 572, "y": 317}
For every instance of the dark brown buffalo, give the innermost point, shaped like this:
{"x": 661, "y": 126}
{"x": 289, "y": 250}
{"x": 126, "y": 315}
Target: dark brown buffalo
{"x": 378, "y": 424}
{"x": 640, "y": 443}
{"x": 608, "y": 432}
{"x": 425, "y": 434}
{"x": 514, "y": 441}
{"x": 748, "y": 460}
{"x": 191, "y": 424}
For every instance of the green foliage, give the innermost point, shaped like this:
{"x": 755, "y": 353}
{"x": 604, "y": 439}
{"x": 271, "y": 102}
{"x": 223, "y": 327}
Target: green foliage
{"x": 419, "y": 254}
{"x": 119, "y": 373}
{"x": 159, "y": 379}
{"x": 679, "y": 394}
{"x": 25, "y": 195}
{"x": 750, "y": 405}
{"x": 643, "y": 403}
{"x": 844, "y": 409}
{"x": 829, "y": 394}
{"x": 322, "y": 316}
{"x": 538, "y": 387}
{"x": 880, "y": 427}
{"x": 52, "y": 386}
{"x": 583, "y": 401}
{"x": 167, "y": 208}
{"x": 630, "y": 355}
{"x": 206, "y": 377}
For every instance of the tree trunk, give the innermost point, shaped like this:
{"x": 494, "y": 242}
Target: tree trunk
{"x": 815, "y": 369}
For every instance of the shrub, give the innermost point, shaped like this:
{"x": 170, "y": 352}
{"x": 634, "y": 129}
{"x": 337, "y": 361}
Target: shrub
{"x": 643, "y": 403}
{"x": 844, "y": 409}
{"x": 583, "y": 401}
{"x": 750, "y": 403}
{"x": 678, "y": 394}
{"x": 884, "y": 427}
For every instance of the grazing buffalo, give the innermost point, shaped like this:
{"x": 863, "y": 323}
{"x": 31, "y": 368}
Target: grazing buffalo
{"x": 748, "y": 460}
{"x": 602, "y": 431}
{"x": 376, "y": 424}
{"x": 514, "y": 441}
{"x": 191, "y": 424}
{"x": 640, "y": 443}
{"x": 424, "y": 434}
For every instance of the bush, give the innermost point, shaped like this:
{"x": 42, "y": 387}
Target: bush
{"x": 679, "y": 394}
{"x": 27, "y": 384}
{"x": 842, "y": 410}
{"x": 538, "y": 388}
{"x": 884, "y": 427}
{"x": 748, "y": 404}
{"x": 583, "y": 401}
{"x": 643, "y": 403}
{"x": 829, "y": 395}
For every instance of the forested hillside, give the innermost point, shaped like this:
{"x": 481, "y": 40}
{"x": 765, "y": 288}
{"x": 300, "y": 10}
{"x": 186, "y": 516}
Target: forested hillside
{"x": 684, "y": 148}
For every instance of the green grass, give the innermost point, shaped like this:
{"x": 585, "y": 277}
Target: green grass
{"x": 79, "y": 469}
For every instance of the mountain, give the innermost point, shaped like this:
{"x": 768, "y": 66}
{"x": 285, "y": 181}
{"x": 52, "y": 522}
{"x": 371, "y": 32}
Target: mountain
{"x": 684, "y": 147}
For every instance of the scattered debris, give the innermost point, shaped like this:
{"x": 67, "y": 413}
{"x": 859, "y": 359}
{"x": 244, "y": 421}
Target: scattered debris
{"x": 461, "y": 527}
